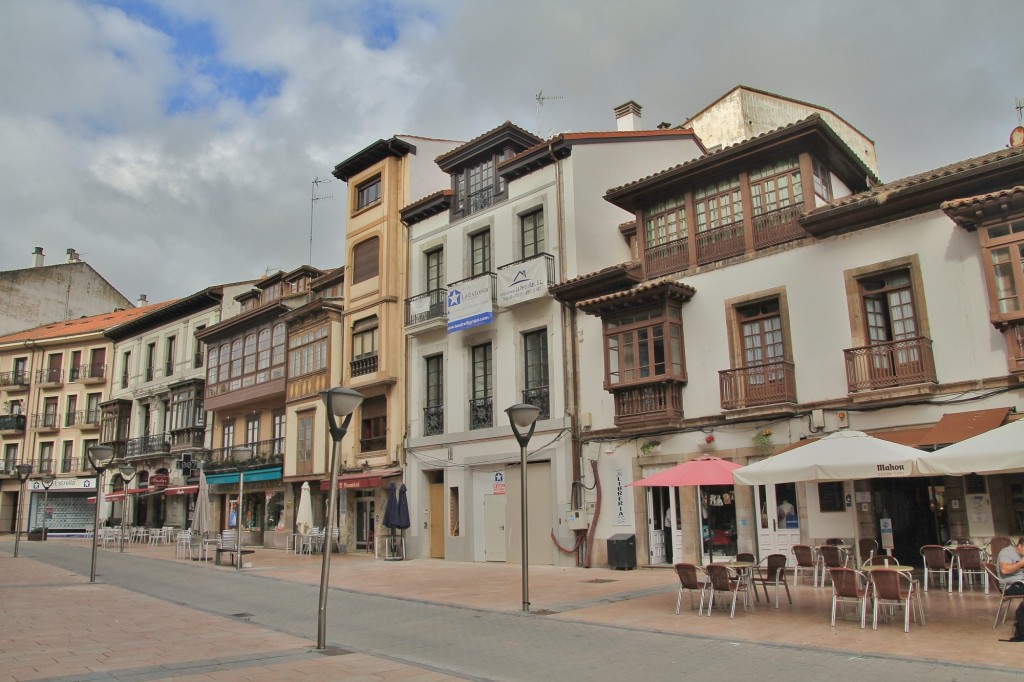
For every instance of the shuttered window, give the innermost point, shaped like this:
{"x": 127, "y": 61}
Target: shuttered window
{"x": 366, "y": 260}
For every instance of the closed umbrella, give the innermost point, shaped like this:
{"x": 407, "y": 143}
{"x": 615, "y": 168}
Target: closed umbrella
{"x": 402, "y": 517}
{"x": 391, "y": 508}
{"x": 202, "y": 519}
{"x": 304, "y": 514}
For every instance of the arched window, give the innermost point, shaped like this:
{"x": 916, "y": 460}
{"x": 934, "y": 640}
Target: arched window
{"x": 225, "y": 362}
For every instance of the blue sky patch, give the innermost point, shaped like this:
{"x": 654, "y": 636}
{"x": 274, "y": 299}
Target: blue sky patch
{"x": 197, "y": 52}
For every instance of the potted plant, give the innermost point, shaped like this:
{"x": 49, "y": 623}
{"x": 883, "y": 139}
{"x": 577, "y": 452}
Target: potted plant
{"x": 650, "y": 446}
{"x": 762, "y": 440}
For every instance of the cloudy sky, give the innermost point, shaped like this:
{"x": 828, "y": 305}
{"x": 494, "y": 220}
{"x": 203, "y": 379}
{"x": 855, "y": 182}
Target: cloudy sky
{"x": 175, "y": 143}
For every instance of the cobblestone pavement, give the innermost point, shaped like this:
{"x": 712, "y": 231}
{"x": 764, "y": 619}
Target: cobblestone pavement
{"x": 151, "y": 616}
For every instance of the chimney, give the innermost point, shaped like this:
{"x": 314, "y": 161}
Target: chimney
{"x": 73, "y": 256}
{"x": 627, "y": 116}
{"x": 143, "y": 300}
{"x": 37, "y": 257}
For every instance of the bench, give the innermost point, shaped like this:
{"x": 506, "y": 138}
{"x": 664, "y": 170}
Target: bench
{"x": 229, "y": 545}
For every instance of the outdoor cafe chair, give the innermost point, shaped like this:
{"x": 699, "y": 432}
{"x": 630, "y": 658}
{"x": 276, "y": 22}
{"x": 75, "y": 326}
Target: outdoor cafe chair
{"x": 183, "y": 546}
{"x": 746, "y": 556}
{"x": 968, "y": 562}
{"x": 849, "y": 587}
{"x": 692, "y": 578}
{"x": 996, "y": 544}
{"x": 993, "y": 575}
{"x": 773, "y": 572}
{"x": 831, "y": 557}
{"x": 891, "y": 587}
{"x": 867, "y": 547}
{"x": 936, "y": 560}
{"x": 725, "y": 580}
{"x": 805, "y": 561}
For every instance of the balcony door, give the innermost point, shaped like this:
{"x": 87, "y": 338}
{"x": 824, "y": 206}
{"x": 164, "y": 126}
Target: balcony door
{"x": 890, "y": 317}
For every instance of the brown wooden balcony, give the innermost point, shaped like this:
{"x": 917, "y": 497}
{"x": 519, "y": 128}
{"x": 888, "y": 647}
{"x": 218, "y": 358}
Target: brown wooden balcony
{"x": 657, "y": 402}
{"x": 777, "y": 227}
{"x": 14, "y": 381}
{"x": 367, "y": 365}
{"x": 12, "y": 423}
{"x": 894, "y": 363}
{"x": 756, "y": 385}
{"x": 88, "y": 374}
{"x": 664, "y": 258}
{"x": 720, "y": 243}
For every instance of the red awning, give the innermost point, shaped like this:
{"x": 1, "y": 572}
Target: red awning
{"x": 118, "y": 495}
{"x": 958, "y": 426}
{"x": 181, "y": 490}
{"x": 363, "y": 479}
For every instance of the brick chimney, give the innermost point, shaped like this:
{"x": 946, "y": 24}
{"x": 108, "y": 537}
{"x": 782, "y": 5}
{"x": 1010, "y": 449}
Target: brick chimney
{"x": 627, "y": 116}
{"x": 37, "y": 257}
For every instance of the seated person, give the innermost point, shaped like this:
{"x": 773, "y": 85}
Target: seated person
{"x": 1011, "y": 568}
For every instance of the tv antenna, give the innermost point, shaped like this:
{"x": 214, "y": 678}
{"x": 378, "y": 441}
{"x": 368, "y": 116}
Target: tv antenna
{"x": 313, "y": 198}
{"x": 540, "y": 98}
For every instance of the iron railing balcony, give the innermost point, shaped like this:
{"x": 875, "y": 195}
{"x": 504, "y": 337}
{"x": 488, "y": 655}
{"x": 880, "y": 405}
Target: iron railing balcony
{"x": 889, "y": 364}
{"x": 365, "y": 365}
{"x": 263, "y": 452}
{"x": 522, "y": 288}
{"x": 92, "y": 373}
{"x": 431, "y": 305}
{"x": 481, "y": 413}
{"x": 149, "y": 373}
{"x": 50, "y": 376}
{"x": 151, "y": 444}
{"x": 83, "y": 419}
{"x": 662, "y": 259}
{"x": 648, "y": 403}
{"x": 197, "y": 360}
{"x": 720, "y": 243}
{"x": 778, "y": 226}
{"x": 44, "y": 421}
{"x": 69, "y": 465}
{"x": 433, "y": 420}
{"x": 539, "y": 397}
{"x": 766, "y": 384}
{"x": 12, "y": 422}
{"x": 14, "y": 380}
{"x": 44, "y": 466}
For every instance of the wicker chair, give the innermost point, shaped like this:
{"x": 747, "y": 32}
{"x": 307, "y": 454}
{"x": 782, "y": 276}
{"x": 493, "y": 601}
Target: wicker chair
{"x": 831, "y": 557}
{"x": 867, "y": 547}
{"x": 849, "y": 587}
{"x": 746, "y": 556}
{"x": 893, "y": 587}
{"x": 692, "y": 578}
{"x": 725, "y": 580}
{"x": 805, "y": 561}
{"x": 968, "y": 562}
{"x": 772, "y": 573}
{"x": 936, "y": 560}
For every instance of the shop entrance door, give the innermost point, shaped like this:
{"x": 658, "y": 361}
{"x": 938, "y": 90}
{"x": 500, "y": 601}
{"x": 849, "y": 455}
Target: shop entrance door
{"x": 910, "y": 503}
{"x": 495, "y": 538}
{"x": 718, "y": 521}
{"x": 364, "y": 523}
{"x": 778, "y": 525}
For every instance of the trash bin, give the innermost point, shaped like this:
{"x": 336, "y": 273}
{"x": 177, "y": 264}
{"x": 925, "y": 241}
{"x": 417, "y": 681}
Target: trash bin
{"x": 622, "y": 551}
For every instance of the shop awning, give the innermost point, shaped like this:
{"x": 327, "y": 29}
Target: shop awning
{"x": 181, "y": 490}
{"x": 362, "y": 479}
{"x": 227, "y": 478}
{"x": 958, "y": 426}
{"x": 118, "y": 496}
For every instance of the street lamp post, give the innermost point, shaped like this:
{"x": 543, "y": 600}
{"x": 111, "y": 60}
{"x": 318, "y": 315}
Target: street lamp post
{"x": 241, "y": 455}
{"x": 340, "y": 403}
{"x": 522, "y": 416}
{"x": 46, "y": 480}
{"x": 23, "y": 471}
{"x": 100, "y": 457}
{"x": 127, "y": 474}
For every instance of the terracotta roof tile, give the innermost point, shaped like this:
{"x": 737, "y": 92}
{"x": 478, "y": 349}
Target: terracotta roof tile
{"x": 982, "y": 198}
{"x": 82, "y": 325}
{"x": 686, "y": 289}
{"x": 507, "y": 124}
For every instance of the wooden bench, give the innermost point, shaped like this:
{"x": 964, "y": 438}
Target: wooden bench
{"x": 229, "y": 545}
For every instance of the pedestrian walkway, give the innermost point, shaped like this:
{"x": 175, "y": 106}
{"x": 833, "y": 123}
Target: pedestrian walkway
{"x": 58, "y": 625}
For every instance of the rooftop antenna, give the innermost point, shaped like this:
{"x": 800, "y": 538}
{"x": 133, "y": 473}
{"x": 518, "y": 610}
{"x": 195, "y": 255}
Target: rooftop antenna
{"x": 313, "y": 198}
{"x": 540, "y": 98}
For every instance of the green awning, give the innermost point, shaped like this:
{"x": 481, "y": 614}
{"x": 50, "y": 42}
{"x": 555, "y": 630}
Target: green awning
{"x": 227, "y": 478}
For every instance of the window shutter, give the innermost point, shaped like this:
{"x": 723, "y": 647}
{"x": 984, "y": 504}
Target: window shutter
{"x": 365, "y": 260}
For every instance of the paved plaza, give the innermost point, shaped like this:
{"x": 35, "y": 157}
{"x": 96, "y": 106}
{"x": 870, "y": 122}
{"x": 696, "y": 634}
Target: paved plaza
{"x": 153, "y": 616}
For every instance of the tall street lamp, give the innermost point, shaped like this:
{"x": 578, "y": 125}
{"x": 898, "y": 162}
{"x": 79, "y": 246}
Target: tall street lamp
{"x": 524, "y": 416}
{"x": 23, "y": 471}
{"x": 46, "y": 480}
{"x": 127, "y": 474}
{"x": 340, "y": 403}
{"x": 241, "y": 455}
{"x": 100, "y": 457}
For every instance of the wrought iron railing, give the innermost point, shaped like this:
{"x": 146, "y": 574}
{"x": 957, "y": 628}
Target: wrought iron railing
{"x": 432, "y": 305}
{"x": 190, "y": 438}
{"x": 367, "y": 365}
{"x": 481, "y": 413}
{"x": 669, "y": 257}
{"x": 149, "y": 373}
{"x": 433, "y": 420}
{"x": 720, "y": 243}
{"x": 263, "y": 452}
{"x": 14, "y": 379}
{"x": 549, "y": 265}
{"x": 168, "y": 369}
{"x": 45, "y": 420}
{"x": 87, "y": 372}
{"x": 894, "y": 363}
{"x": 656, "y": 401}
{"x": 44, "y": 466}
{"x": 147, "y": 445}
{"x": 83, "y": 418}
{"x": 539, "y": 397}
{"x": 50, "y": 376}
{"x": 778, "y": 226}
{"x": 71, "y": 464}
{"x": 493, "y": 284}
{"x": 12, "y": 422}
{"x": 766, "y": 384}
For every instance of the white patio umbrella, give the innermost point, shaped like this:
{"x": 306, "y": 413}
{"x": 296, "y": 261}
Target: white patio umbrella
{"x": 202, "y": 519}
{"x": 840, "y": 456}
{"x": 304, "y": 513}
{"x": 1000, "y": 450}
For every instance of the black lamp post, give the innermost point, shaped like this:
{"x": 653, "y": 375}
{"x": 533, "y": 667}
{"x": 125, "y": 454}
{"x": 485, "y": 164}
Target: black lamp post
{"x": 340, "y": 403}
{"x": 100, "y": 457}
{"x": 241, "y": 455}
{"x": 524, "y": 416}
{"x": 127, "y": 474}
{"x": 23, "y": 471}
{"x": 46, "y": 480}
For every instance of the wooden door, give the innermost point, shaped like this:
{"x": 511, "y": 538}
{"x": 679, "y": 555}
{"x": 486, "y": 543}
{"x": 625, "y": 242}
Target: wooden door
{"x": 435, "y": 520}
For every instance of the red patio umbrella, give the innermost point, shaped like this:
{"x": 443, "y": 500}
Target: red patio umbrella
{"x": 706, "y": 470}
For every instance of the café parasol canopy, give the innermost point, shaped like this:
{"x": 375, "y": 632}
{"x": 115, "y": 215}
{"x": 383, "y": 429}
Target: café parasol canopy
{"x": 706, "y": 470}
{"x": 1000, "y": 450}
